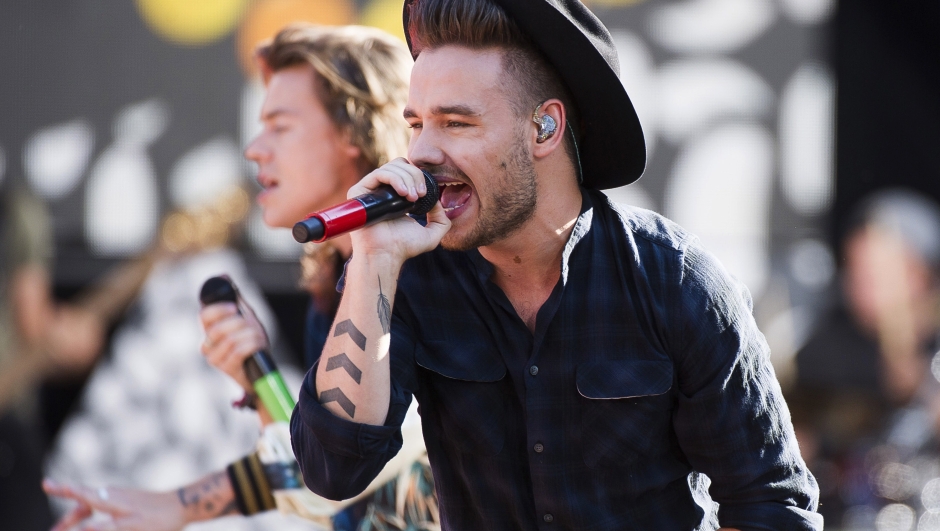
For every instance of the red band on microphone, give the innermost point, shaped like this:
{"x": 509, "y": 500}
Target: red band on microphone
{"x": 341, "y": 218}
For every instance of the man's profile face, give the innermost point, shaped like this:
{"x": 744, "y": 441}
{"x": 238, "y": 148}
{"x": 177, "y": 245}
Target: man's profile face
{"x": 467, "y": 134}
{"x": 300, "y": 153}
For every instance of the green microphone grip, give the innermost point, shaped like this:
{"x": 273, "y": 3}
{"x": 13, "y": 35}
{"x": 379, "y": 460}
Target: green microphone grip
{"x": 260, "y": 368}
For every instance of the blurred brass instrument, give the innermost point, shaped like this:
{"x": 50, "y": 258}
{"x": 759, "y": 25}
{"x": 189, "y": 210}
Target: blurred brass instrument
{"x": 182, "y": 232}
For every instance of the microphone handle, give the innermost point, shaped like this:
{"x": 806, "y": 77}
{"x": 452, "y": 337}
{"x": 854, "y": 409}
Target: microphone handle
{"x": 381, "y": 204}
{"x": 269, "y": 386}
{"x": 260, "y": 367}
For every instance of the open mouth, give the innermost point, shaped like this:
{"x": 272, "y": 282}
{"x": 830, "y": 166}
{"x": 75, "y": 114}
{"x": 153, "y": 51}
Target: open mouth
{"x": 266, "y": 182}
{"x": 268, "y": 185}
{"x": 454, "y": 195}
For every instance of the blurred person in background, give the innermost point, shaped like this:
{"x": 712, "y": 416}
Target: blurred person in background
{"x": 39, "y": 339}
{"x": 866, "y": 394}
{"x": 332, "y": 114}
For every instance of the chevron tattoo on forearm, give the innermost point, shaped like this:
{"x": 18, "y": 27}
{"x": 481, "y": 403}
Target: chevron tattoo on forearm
{"x": 343, "y": 361}
{"x": 347, "y": 327}
{"x": 337, "y": 395}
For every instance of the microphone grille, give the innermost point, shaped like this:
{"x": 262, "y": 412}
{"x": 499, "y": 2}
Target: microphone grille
{"x": 424, "y": 204}
{"x": 217, "y": 289}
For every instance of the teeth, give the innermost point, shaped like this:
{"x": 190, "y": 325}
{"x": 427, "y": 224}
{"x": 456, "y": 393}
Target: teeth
{"x": 449, "y": 184}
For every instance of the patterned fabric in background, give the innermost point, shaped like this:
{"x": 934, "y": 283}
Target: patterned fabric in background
{"x": 155, "y": 414}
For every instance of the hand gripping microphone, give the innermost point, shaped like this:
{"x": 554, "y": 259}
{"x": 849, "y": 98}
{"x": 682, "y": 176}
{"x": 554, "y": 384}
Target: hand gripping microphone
{"x": 260, "y": 368}
{"x": 382, "y": 204}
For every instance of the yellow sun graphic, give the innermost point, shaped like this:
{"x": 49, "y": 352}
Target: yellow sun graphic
{"x": 191, "y": 22}
{"x": 385, "y": 15}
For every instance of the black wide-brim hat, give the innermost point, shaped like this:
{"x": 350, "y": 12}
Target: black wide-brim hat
{"x": 611, "y": 145}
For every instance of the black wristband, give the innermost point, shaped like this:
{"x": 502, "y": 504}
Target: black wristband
{"x": 252, "y": 490}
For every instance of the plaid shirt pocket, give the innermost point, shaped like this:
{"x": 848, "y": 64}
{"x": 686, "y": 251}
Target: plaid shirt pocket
{"x": 625, "y": 409}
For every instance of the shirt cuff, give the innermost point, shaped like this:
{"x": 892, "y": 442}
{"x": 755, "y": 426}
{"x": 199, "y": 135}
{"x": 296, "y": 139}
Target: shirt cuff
{"x": 341, "y": 436}
{"x": 768, "y": 516}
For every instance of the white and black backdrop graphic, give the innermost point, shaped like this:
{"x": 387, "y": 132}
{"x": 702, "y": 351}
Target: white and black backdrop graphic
{"x": 115, "y": 119}
{"x": 737, "y": 101}
{"x": 118, "y": 112}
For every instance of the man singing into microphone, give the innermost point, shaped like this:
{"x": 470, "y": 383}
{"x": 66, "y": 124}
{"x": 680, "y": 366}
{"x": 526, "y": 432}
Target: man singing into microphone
{"x": 578, "y": 365}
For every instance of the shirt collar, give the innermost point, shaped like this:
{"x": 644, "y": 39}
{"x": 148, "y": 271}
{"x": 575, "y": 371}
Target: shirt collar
{"x": 581, "y": 227}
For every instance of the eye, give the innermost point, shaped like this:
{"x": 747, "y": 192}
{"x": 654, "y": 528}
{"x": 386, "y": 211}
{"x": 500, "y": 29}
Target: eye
{"x": 416, "y": 125}
{"x": 453, "y": 123}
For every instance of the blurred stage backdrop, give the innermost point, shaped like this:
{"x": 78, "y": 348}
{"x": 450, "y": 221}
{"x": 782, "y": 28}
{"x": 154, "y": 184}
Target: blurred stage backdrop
{"x": 119, "y": 113}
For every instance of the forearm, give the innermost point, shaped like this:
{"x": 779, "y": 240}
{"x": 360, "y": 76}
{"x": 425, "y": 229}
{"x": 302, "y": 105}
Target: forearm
{"x": 209, "y": 497}
{"x": 353, "y": 375}
{"x": 339, "y": 457}
{"x": 18, "y": 374}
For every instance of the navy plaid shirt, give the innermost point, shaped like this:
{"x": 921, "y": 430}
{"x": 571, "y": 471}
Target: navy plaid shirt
{"x": 644, "y": 400}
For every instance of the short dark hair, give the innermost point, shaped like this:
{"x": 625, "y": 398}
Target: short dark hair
{"x": 480, "y": 24}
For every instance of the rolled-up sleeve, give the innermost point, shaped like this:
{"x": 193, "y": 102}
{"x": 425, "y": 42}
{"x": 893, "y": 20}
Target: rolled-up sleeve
{"x": 339, "y": 458}
{"x": 731, "y": 420}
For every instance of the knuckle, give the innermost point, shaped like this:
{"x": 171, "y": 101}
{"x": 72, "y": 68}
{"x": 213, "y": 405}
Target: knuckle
{"x": 224, "y": 347}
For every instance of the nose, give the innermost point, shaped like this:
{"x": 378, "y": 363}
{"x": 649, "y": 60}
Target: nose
{"x": 425, "y": 149}
{"x": 256, "y": 151}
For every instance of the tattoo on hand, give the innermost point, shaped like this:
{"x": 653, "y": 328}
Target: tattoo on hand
{"x": 337, "y": 395}
{"x": 384, "y": 310}
{"x": 342, "y": 360}
{"x": 347, "y": 327}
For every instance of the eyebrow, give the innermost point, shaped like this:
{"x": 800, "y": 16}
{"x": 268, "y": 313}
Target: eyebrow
{"x": 270, "y": 115}
{"x": 457, "y": 109}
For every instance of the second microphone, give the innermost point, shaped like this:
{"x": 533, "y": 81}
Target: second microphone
{"x": 382, "y": 204}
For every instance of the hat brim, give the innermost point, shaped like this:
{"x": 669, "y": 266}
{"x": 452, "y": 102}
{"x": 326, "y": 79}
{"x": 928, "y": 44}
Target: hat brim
{"x": 611, "y": 145}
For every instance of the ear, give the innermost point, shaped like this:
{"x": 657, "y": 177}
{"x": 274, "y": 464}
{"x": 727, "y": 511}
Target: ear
{"x": 352, "y": 151}
{"x": 347, "y": 148}
{"x": 554, "y": 109}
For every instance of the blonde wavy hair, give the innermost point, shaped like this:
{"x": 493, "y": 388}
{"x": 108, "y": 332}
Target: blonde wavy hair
{"x": 362, "y": 81}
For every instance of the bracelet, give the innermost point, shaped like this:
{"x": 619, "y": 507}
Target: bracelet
{"x": 252, "y": 492}
{"x": 248, "y": 401}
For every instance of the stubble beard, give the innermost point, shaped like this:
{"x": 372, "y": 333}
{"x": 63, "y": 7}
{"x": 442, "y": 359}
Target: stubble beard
{"x": 508, "y": 208}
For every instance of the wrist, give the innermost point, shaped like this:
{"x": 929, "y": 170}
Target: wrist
{"x": 374, "y": 248}
{"x": 382, "y": 263}
{"x": 207, "y": 498}
{"x": 179, "y": 513}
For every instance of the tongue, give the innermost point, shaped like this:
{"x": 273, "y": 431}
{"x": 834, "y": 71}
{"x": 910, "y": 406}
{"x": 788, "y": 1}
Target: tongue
{"x": 455, "y": 195}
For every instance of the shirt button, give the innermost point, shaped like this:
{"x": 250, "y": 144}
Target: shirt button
{"x": 533, "y": 370}
{"x": 548, "y": 518}
{"x": 538, "y": 448}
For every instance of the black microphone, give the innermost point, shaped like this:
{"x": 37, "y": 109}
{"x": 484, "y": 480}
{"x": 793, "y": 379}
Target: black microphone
{"x": 382, "y": 204}
{"x": 260, "y": 368}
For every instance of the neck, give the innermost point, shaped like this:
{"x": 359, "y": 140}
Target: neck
{"x": 527, "y": 264}
{"x": 532, "y": 254}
